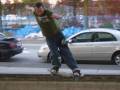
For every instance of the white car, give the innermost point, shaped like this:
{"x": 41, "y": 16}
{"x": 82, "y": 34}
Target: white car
{"x": 92, "y": 44}
{"x": 34, "y": 35}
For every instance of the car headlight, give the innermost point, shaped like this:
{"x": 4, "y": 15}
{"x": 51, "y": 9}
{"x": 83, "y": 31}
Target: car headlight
{"x": 19, "y": 43}
{"x": 43, "y": 47}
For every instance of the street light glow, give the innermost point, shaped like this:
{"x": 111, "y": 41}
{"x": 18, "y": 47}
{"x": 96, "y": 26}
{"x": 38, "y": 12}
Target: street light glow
{"x": 10, "y": 1}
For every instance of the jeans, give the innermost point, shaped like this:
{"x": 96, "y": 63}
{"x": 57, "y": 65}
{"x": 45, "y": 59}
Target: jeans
{"x": 60, "y": 50}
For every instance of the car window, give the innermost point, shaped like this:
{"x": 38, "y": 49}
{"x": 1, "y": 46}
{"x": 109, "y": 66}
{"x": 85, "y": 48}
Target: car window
{"x": 84, "y": 37}
{"x": 95, "y": 37}
{"x": 103, "y": 36}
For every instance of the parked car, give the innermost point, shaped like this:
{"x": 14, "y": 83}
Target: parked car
{"x": 92, "y": 44}
{"x": 9, "y": 47}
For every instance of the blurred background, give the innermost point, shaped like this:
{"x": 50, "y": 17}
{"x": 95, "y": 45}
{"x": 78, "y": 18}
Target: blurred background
{"x": 78, "y": 15}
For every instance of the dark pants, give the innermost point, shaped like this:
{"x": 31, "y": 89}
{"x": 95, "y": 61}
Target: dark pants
{"x": 60, "y": 50}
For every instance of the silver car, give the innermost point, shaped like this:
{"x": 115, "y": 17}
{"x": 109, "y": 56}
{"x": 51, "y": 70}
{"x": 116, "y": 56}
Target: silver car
{"x": 91, "y": 44}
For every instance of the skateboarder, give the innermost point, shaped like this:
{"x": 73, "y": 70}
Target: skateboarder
{"x": 55, "y": 39}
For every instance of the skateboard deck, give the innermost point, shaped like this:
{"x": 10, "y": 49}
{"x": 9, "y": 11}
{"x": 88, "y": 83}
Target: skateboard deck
{"x": 66, "y": 73}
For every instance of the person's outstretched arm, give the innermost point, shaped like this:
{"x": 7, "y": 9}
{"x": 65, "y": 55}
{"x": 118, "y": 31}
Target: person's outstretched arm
{"x": 56, "y": 16}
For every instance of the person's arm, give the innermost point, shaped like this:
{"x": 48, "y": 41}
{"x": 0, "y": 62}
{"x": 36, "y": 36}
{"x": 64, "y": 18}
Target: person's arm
{"x": 56, "y": 16}
{"x": 29, "y": 8}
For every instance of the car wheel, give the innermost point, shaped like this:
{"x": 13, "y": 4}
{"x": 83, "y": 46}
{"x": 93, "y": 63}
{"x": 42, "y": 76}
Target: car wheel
{"x": 2, "y": 58}
{"x": 116, "y": 59}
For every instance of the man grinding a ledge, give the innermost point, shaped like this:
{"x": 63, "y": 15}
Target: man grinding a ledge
{"x": 54, "y": 38}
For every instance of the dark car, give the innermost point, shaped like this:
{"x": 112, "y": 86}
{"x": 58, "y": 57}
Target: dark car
{"x": 9, "y": 47}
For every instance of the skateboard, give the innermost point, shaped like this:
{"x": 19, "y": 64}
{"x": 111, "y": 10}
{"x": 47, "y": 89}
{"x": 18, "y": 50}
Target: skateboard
{"x": 66, "y": 74}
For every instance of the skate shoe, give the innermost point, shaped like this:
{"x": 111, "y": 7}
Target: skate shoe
{"x": 76, "y": 75}
{"x": 54, "y": 70}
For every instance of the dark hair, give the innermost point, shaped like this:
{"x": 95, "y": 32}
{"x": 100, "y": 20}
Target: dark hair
{"x": 39, "y": 4}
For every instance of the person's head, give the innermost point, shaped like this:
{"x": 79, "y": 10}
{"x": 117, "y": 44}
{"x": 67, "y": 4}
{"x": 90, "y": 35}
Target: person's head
{"x": 39, "y": 8}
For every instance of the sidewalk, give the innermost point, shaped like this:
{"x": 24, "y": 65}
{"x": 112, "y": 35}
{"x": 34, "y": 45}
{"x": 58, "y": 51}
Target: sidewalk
{"x": 23, "y": 84}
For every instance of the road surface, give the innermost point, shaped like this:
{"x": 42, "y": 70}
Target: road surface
{"x": 29, "y": 62}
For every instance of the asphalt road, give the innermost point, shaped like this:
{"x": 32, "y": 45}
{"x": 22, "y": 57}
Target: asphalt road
{"x": 29, "y": 55}
{"x": 28, "y": 63}
{"x": 29, "y": 58}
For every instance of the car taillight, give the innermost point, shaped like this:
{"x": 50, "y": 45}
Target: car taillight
{"x": 12, "y": 45}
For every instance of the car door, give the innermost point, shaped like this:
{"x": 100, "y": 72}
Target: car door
{"x": 81, "y": 46}
{"x": 103, "y": 46}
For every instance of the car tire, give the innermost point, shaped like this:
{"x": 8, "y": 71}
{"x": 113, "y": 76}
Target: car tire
{"x": 116, "y": 59}
{"x": 2, "y": 58}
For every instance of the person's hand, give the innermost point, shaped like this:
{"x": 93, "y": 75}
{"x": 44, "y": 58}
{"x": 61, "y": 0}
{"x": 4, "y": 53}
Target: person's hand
{"x": 29, "y": 8}
{"x": 64, "y": 42}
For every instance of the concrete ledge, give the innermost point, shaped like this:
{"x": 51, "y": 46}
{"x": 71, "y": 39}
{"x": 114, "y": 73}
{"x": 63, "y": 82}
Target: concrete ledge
{"x": 16, "y": 77}
{"x": 63, "y": 72}
{"x": 24, "y": 81}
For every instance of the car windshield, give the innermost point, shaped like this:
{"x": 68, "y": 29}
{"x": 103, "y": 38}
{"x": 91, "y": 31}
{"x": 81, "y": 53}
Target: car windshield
{"x": 2, "y": 36}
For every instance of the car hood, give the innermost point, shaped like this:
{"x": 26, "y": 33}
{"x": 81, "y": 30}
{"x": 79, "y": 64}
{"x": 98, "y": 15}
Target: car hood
{"x": 10, "y": 39}
{"x": 44, "y": 45}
